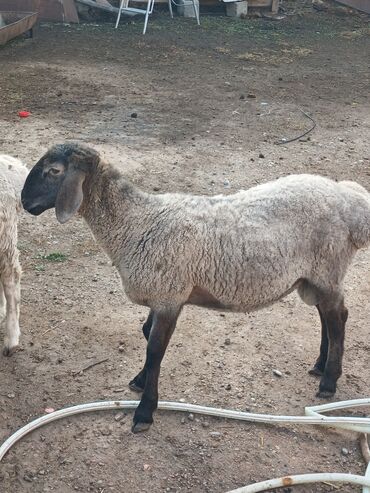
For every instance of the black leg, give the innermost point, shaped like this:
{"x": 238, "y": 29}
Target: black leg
{"x": 148, "y": 325}
{"x": 335, "y": 318}
{"x": 164, "y": 324}
{"x": 319, "y": 366}
{"x": 137, "y": 384}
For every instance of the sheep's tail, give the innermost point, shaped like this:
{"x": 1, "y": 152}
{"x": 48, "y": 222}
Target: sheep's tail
{"x": 359, "y": 218}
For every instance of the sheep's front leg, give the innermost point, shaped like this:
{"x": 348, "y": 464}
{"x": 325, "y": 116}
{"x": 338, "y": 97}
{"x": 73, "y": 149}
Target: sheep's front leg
{"x": 335, "y": 318}
{"x": 319, "y": 366}
{"x": 163, "y": 325}
{"x": 12, "y": 291}
{"x": 138, "y": 383}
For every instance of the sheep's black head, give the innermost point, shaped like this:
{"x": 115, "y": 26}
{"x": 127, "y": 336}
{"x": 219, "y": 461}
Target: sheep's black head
{"x": 56, "y": 180}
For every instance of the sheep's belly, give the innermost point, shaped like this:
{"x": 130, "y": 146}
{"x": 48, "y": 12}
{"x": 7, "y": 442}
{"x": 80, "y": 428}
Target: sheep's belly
{"x": 202, "y": 297}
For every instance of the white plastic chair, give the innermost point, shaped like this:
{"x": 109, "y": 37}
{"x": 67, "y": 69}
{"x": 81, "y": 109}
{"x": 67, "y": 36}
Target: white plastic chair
{"x": 123, "y": 7}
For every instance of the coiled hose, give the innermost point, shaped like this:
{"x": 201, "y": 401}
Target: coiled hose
{"x": 313, "y": 416}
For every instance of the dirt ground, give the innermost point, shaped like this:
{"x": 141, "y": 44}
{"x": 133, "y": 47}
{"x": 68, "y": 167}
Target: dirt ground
{"x": 210, "y": 104}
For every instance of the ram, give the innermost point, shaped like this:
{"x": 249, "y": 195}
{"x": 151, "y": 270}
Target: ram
{"x": 238, "y": 252}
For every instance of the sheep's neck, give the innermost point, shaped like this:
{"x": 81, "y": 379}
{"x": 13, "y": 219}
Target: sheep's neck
{"x": 111, "y": 207}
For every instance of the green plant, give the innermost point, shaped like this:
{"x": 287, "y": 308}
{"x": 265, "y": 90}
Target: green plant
{"x": 54, "y": 257}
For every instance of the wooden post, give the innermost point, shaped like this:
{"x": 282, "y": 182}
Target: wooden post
{"x": 275, "y": 6}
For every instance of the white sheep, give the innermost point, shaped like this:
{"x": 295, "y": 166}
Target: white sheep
{"x": 12, "y": 176}
{"x": 239, "y": 252}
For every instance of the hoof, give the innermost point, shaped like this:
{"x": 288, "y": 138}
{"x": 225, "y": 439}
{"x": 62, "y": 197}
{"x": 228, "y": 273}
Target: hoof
{"x": 135, "y": 387}
{"x": 325, "y": 394}
{"x": 316, "y": 371}
{"x": 327, "y": 388}
{"x": 139, "y": 427}
{"x": 8, "y": 351}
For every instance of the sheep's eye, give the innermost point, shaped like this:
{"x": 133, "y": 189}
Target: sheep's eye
{"x": 54, "y": 171}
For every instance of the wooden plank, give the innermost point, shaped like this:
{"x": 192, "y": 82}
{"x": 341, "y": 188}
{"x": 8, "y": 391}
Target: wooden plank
{"x": 18, "y": 5}
{"x": 102, "y": 6}
{"x": 275, "y": 6}
{"x": 58, "y": 10}
{"x": 49, "y": 10}
{"x": 70, "y": 11}
{"x": 362, "y": 5}
{"x": 259, "y": 3}
{"x": 107, "y": 7}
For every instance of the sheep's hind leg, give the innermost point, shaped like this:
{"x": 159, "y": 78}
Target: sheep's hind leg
{"x": 335, "y": 315}
{"x": 12, "y": 291}
{"x": 137, "y": 384}
{"x": 319, "y": 366}
{"x": 164, "y": 324}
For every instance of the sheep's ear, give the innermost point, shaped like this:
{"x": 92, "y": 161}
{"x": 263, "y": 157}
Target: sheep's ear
{"x": 70, "y": 195}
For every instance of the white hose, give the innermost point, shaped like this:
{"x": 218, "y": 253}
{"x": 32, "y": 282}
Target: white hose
{"x": 303, "y": 479}
{"x": 313, "y": 416}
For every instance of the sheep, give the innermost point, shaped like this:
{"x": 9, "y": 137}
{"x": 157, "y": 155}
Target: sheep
{"x": 12, "y": 177}
{"x": 239, "y": 252}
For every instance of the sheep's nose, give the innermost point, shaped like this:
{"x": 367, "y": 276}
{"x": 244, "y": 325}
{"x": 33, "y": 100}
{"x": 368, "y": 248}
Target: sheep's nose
{"x": 26, "y": 202}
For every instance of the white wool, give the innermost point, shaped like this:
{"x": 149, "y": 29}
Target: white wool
{"x": 12, "y": 177}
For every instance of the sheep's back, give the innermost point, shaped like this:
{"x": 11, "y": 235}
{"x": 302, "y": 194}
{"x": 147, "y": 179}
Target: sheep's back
{"x": 248, "y": 249}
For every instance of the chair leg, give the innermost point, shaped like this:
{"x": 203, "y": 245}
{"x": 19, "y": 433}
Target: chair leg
{"x": 151, "y": 7}
{"x": 170, "y": 8}
{"x": 196, "y": 11}
{"x": 119, "y": 13}
{"x": 149, "y": 10}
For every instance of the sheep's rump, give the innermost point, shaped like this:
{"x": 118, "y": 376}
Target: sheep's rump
{"x": 13, "y": 174}
{"x": 12, "y": 177}
{"x": 252, "y": 248}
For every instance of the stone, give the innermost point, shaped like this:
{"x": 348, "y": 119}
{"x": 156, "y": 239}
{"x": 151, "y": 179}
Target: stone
{"x": 185, "y": 8}
{"x": 119, "y": 416}
{"x": 237, "y": 9}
